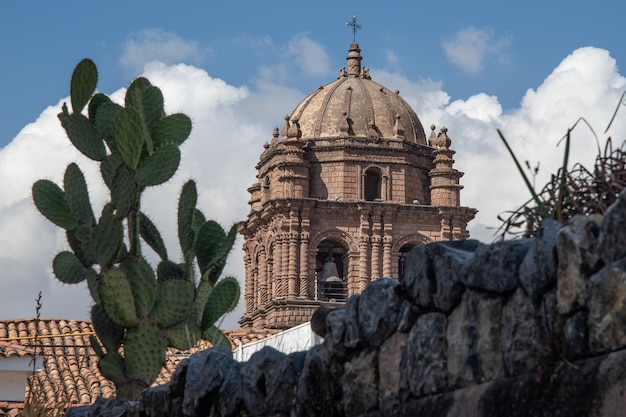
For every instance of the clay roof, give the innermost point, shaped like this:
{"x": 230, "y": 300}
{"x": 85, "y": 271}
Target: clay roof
{"x": 244, "y": 336}
{"x": 69, "y": 371}
{"x": 9, "y": 349}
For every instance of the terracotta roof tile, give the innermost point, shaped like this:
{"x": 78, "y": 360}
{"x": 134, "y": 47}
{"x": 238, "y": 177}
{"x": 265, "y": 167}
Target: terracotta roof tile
{"x": 8, "y": 349}
{"x": 69, "y": 372}
{"x": 243, "y": 336}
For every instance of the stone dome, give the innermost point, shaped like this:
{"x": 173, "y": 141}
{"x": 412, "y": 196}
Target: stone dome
{"x": 355, "y": 106}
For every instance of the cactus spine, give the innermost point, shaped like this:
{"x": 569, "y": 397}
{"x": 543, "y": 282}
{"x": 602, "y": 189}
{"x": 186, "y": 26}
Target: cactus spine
{"x": 138, "y": 312}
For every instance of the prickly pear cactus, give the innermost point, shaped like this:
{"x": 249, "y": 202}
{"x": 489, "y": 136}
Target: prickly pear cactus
{"x": 138, "y": 312}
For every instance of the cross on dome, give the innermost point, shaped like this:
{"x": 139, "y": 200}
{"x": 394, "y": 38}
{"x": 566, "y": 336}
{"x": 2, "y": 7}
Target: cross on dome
{"x": 355, "y": 27}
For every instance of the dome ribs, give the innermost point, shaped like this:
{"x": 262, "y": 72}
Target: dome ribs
{"x": 324, "y": 107}
{"x": 297, "y": 114}
{"x": 369, "y": 108}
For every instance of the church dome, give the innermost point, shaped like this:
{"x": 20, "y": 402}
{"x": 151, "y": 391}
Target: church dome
{"x": 355, "y": 106}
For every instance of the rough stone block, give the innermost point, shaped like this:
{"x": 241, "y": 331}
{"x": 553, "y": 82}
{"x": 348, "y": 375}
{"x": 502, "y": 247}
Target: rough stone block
{"x": 360, "y": 383}
{"x": 432, "y": 276}
{"x": 578, "y": 259}
{"x": 392, "y": 371}
{"x": 607, "y": 308}
{"x": 495, "y": 267}
{"x": 612, "y": 245}
{"x": 206, "y": 371}
{"x": 426, "y": 359}
{"x": 537, "y": 272}
{"x": 521, "y": 347}
{"x": 378, "y": 310}
{"x": 473, "y": 340}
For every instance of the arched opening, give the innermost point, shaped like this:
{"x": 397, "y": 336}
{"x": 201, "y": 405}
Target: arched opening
{"x": 331, "y": 271}
{"x": 404, "y": 251}
{"x": 372, "y": 182}
{"x": 266, "y": 188}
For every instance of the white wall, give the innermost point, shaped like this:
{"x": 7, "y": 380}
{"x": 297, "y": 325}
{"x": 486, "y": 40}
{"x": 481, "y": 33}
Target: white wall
{"x": 13, "y": 374}
{"x": 296, "y": 339}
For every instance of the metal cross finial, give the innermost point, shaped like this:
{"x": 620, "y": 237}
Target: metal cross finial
{"x": 355, "y": 26}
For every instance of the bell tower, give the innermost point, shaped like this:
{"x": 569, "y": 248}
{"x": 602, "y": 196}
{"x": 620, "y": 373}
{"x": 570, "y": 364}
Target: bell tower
{"x": 343, "y": 192}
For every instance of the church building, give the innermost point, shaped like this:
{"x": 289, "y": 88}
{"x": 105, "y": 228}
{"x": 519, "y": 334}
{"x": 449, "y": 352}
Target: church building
{"x": 344, "y": 190}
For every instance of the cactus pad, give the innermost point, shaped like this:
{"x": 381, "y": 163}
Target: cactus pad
{"x": 49, "y": 199}
{"x": 117, "y": 298}
{"x": 223, "y": 298}
{"x": 150, "y": 234}
{"x": 123, "y": 191}
{"x": 152, "y": 104}
{"x": 84, "y": 136}
{"x": 111, "y": 366}
{"x": 158, "y": 167}
{"x": 144, "y": 349}
{"x": 68, "y": 268}
{"x": 134, "y": 94}
{"x": 142, "y": 282}
{"x": 129, "y": 136}
{"x": 83, "y": 84}
{"x": 168, "y": 270}
{"x": 174, "y": 302}
{"x": 186, "y": 208}
{"x": 173, "y": 129}
{"x": 77, "y": 195}
{"x": 105, "y": 116}
{"x": 109, "y": 333}
{"x": 184, "y": 335}
{"x": 216, "y": 337}
{"x": 107, "y": 237}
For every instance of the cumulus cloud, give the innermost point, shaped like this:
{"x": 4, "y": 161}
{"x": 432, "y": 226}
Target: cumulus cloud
{"x": 158, "y": 45}
{"x": 309, "y": 55}
{"x": 470, "y": 47}
{"x": 392, "y": 58}
{"x": 221, "y": 153}
{"x": 230, "y": 125}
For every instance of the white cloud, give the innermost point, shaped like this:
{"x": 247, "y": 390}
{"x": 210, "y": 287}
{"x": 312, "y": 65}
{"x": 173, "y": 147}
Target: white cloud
{"x": 392, "y": 58}
{"x": 470, "y": 47}
{"x": 158, "y": 45}
{"x": 230, "y": 125}
{"x": 310, "y": 56}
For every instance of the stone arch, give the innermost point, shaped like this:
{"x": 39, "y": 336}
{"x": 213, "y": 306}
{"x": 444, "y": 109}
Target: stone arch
{"x": 374, "y": 183}
{"x": 401, "y": 248}
{"x": 336, "y": 235}
{"x": 333, "y": 261}
{"x": 414, "y": 239}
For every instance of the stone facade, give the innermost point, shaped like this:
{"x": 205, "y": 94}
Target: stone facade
{"x": 351, "y": 180}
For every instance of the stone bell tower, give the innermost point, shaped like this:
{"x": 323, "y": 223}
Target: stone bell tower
{"x": 343, "y": 192}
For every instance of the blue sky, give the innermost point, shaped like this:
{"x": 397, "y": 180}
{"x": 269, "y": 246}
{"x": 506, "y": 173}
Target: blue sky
{"x": 529, "y": 68}
{"x": 42, "y": 41}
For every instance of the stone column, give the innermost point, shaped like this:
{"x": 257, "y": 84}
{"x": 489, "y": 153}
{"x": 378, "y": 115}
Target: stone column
{"x": 285, "y": 265}
{"x": 248, "y": 282}
{"x": 304, "y": 270}
{"x": 385, "y": 188}
{"x": 253, "y": 299}
{"x": 293, "y": 266}
{"x": 262, "y": 277}
{"x": 387, "y": 256}
{"x": 363, "y": 262}
{"x": 277, "y": 275}
{"x": 375, "y": 257}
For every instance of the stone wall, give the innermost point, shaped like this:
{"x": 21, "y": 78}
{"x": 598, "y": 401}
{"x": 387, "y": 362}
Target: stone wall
{"x": 533, "y": 327}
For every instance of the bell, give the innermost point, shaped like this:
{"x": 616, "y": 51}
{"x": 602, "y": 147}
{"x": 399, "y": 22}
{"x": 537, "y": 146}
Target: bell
{"x": 329, "y": 272}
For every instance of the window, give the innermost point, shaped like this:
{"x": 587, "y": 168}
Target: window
{"x": 372, "y": 184}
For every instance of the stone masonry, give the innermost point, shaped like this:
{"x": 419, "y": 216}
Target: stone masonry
{"x": 351, "y": 177}
{"x": 533, "y": 327}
